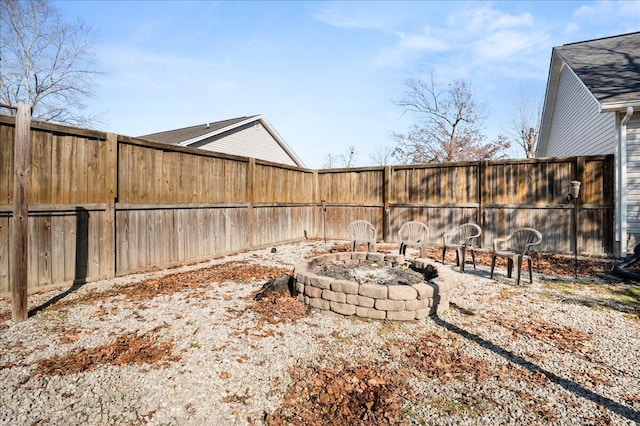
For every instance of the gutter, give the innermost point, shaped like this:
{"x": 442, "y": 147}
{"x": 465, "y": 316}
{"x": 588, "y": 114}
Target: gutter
{"x": 621, "y": 183}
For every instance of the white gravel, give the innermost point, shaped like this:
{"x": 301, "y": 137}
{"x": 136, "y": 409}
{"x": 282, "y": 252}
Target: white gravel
{"x": 231, "y": 370}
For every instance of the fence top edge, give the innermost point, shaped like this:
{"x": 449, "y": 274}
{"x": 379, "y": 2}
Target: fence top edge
{"x": 56, "y": 128}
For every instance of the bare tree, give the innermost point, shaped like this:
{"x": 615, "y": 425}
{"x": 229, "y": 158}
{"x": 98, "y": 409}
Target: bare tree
{"x": 346, "y": 159}
{"x": 45, "y": 62}
{"x": 525, "y": 125}
{"x": 449, "y": 125}
{"x": 382, "y": 155}
{"x": 330, "y": 161}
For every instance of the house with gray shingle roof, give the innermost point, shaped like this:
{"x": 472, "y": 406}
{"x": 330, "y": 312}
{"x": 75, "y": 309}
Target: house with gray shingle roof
{"x": 250, "y": 136}
{"x": 592, "y": 107}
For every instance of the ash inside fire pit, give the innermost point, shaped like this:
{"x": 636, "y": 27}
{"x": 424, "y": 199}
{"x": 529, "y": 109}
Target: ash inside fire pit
{"x": 372, "y": 272}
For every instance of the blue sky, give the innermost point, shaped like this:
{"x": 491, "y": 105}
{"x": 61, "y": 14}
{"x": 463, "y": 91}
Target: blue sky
{"x": 324, "y": 74}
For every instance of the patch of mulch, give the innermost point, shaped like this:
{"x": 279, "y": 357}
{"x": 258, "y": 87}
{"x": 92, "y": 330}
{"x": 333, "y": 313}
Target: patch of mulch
{"x": 125, "y": 349}
{"x": 363, "y": 395}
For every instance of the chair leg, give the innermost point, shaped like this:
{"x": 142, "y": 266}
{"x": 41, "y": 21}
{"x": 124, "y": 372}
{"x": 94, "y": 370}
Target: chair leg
{"x": 518, "y": 269}
{"x": 444, "y": 249}
{"x": 423, "y": 251}
{"x": 353, "y": 246}
{"x": 530, "y": 271}
{"x": 509, "y": 267}
{"x": 461, "y": 256}
{"x": 473, "y": 256}
{"x": 493, "y": 264}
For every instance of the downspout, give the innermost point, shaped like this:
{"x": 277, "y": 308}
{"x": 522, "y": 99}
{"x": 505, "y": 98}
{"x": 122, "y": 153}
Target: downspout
{"x": 621, "y": 182}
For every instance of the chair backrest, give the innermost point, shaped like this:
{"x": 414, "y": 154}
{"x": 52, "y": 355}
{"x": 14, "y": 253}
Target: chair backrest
{"x": 361, "y": 230}
{"x": 464, "y": 234}
{"x": 522, "y": 239}
{"x": 413, "y": 231}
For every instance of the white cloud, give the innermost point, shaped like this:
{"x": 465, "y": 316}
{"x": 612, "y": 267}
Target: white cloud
{"x": 485, "y": 18}
{"x": 340, "y": 15}
{"x": 507, "y": 44}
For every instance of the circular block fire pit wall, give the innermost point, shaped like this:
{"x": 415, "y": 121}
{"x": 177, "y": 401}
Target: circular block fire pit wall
{"x": 398, "y": 301}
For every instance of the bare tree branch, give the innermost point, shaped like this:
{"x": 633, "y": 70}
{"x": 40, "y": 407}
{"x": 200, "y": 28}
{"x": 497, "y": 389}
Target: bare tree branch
{"x": 45, "y": 62}
{"x": 449, "y": 125}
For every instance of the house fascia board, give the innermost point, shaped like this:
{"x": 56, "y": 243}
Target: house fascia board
{"x": 549, "y": 102}
{"x": 281, "y": 142}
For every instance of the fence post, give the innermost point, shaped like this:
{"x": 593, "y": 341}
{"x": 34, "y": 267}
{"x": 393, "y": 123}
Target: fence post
{"x": 580, "y": 161}
{"x": 386, "y": 212}
{"x": 251, "y": 184}
{"x": 111, "y": 196}
{"x": 21, "y": 180}
{"x": 482, "y": 199}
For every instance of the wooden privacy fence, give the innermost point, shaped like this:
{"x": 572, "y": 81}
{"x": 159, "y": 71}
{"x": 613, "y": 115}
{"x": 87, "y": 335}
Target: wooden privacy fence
{"x": 497, "y": 195}
{"x": 102, "y": 205}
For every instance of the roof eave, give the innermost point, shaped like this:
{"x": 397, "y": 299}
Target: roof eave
{"x": 555, "y": 65}
{"x": 619, "y": 106}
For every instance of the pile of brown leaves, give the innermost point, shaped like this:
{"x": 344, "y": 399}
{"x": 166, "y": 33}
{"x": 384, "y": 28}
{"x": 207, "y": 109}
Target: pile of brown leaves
{"x": 565, "y": 338}
{"x": 362, "y": 395}
{"x": 440, "y": 357}
{"x": 125, "y": 349}
{"x": 170, "y": 284}
{"x": 279, "y": 307}
{"x": 229, "y": 271}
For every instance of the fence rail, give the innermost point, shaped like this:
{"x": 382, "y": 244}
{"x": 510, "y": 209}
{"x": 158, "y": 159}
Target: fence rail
{"x": 102, "y": 204}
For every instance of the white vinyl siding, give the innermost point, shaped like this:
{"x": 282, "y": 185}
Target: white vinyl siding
{"x": 578, "y": 127}
{"x": 251, "y": 140}
{"x": 633, "y": 178}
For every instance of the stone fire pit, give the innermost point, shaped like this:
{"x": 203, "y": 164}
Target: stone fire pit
{"x": 381, "y": 286}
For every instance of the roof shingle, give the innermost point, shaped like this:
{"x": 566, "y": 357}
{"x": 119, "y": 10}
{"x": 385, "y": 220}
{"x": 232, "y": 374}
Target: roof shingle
{"x": 609, "y": 67}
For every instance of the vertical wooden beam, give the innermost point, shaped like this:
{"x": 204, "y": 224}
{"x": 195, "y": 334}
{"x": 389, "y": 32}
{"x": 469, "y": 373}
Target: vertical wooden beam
{"x": 315, "y": 202}
{"x": 251, "y": 185}
{"x": 21, "y": 178}
{"x": 483, "y": 194}
{"x": 580, "y": 176}
{"x": 386, "y": 200}
{"x": 108, "y": 244}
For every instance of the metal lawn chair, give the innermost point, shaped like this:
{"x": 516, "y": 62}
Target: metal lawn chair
{"x": 516, "y": 247}
{"x": 461, "y": 239}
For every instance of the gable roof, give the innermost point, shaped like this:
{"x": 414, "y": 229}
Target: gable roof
{"x": 609, "y": 68}
{"x": 177, "y": 136}
{"x": 189, "y": 135}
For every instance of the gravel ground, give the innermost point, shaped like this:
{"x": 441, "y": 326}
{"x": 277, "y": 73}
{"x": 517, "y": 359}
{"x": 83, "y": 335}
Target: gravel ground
{"x": 551, "y": 352}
